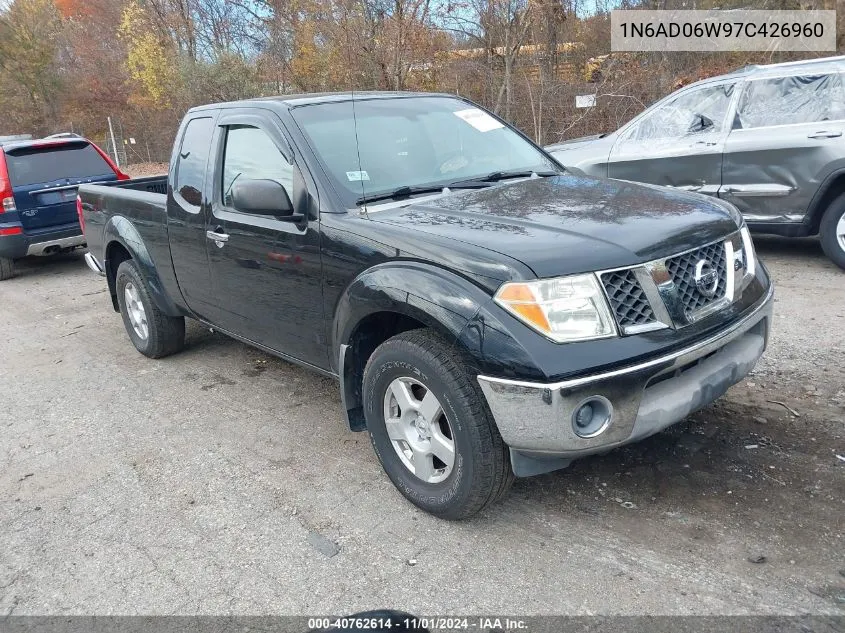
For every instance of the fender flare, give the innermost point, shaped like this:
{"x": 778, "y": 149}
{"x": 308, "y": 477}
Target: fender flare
{"x": 436, "y": 297}
{"x": 120, "y": 230}
{"x": 433, "y": 296}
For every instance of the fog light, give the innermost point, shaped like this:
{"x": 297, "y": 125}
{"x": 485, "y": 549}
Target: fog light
{"x": 583, "y": 416}
{"x": 592, "y": 417}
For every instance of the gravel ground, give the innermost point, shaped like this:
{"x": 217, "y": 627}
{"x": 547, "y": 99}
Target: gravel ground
{"x": 141, "y": 170}
{"x": 221, "y": 480}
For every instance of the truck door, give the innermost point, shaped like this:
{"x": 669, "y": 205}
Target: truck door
{"x": 187, "y": 207}
{"x": 266, "y": 271}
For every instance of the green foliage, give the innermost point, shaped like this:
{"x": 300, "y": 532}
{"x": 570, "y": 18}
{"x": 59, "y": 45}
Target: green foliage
{"x": 30, "y": 84}
{"x": 228, "y": 78}
{"x": 149, "y": 58}
{"x": 72, "y": 63}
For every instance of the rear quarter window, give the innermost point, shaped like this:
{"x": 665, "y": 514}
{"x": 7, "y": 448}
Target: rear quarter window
{"x": 37, "y": 165}
{"x": 790, "y": 100}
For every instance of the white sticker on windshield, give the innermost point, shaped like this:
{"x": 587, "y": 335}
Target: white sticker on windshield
{"x": 479, "y": 119}
{"x": 356, "y": 176}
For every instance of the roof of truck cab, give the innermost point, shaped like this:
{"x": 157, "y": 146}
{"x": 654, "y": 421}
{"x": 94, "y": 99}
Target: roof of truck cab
{"x": 298, "y": 100}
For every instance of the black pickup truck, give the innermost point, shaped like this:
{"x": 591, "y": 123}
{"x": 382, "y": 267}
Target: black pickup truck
{"x": 486, "y": 312}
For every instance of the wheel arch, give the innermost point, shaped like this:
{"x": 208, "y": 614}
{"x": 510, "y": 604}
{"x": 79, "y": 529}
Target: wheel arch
{"x": 832, "y": 187}
{"x": 123, "y": 242}
{"x": 390, "y": 299}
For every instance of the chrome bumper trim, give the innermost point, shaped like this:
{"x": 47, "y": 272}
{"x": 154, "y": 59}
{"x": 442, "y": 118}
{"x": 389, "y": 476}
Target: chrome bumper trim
{"x": 536, "y": 417}
{"x": 65, "y": 242}
{"x": 575, "y": 382}
{"x": 94, "y": 265}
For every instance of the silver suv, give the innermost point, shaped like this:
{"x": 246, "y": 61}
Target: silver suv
{"x": 768, "y": 139}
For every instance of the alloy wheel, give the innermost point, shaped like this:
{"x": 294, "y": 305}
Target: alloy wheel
{"x": 418, "y": 429}
{"x": 135, "y": 311}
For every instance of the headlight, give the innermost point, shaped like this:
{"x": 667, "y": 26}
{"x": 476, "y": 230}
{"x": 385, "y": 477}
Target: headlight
{"x": 564, "y": 309}
{"x": 748, "y": 248}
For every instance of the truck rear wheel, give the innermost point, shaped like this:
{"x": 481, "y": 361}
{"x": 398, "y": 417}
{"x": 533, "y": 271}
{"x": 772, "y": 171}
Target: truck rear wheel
{"x": 7, "y": 268}
{"x": 152, "y": 332}
{"x": 832, "y": 231}
{"x": 431, "y": 428}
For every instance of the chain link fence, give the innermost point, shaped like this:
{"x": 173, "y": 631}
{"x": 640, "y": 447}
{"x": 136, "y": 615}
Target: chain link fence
{"x": 131, "y": 144}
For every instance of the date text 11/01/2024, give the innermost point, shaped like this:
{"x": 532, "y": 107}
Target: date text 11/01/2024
{"x": 413, "y": 623}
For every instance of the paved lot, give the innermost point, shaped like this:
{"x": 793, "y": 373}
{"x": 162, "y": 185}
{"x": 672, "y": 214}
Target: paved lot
{"x": 222, "y": 480}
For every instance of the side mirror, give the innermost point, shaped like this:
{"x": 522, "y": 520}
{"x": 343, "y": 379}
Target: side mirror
{"x": 263, "y": 197}
{"x": 700, "y": 123}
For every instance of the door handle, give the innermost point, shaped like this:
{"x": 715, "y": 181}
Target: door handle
{"x": 825, "y": 134}
{"x": 217, "y": 237}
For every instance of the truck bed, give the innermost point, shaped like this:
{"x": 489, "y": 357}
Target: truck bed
{"x": 137, "y": 205}
{"x": 150, "y": 184}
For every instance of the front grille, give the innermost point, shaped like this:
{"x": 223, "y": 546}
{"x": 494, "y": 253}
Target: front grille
{"x": 627, "y": 298}
{"x": 682, "y": 271}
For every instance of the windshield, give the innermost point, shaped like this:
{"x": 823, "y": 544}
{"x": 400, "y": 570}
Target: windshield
{"x": 412, "y": 142}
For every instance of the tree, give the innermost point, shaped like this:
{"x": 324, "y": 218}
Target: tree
{"x": 150, "y": 57}
{"x": 96, "y": 81}
{"x": 29, "y": 33}
{"x": 502, "y": 28}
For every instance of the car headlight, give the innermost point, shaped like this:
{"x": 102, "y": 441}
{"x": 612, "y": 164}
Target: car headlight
{"x": 564, "y": 309}
{"x": 748, "y": 250}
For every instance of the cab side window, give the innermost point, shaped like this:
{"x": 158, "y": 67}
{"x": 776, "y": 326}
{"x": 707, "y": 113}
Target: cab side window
{"x": 190, "y": 166}
{"x": 787, "y": 100}
{"x": 251, "y": 154}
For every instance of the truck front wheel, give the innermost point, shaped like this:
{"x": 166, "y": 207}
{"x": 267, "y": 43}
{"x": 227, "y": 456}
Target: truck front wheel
{"x": 152, "y": 332}
{"x": 431, "y": 428}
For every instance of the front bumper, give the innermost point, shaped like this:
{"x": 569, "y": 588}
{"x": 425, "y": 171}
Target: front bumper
{"x": 536, "y": 420}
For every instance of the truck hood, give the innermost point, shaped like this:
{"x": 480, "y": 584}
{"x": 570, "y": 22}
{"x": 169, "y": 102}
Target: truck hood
{"x": 570, "y": 223}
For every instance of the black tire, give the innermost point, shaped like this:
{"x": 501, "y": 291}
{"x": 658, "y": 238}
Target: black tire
{"x": 833, "y": 247}
{"x": 165, "y": 334}
{"x": 481, "y": 473}
{"x": 7, "y": 268}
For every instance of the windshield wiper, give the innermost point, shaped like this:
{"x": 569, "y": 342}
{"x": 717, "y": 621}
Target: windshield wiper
{"x": 406, "y": 192}
{"x": 403, "y": 192}
{"x": 399, "y": 193}
{"x": 496, "y": 176}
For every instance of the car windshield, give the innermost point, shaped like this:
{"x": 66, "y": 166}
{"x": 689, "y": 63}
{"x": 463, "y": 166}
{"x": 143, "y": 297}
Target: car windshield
{"x": 384, "y": 145}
